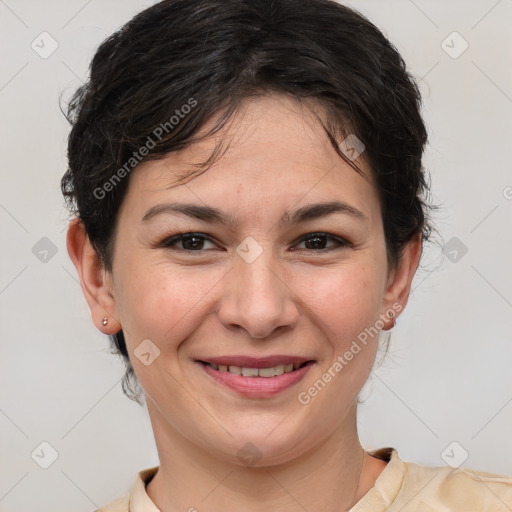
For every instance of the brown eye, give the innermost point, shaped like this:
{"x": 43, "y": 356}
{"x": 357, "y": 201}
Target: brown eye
{"x": 192, "y": 242}
{"x": 318, "y": 242}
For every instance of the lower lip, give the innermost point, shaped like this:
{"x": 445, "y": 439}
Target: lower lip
{"x": 257, "y": 387}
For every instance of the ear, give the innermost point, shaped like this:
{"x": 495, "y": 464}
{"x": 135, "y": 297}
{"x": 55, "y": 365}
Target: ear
{"x": 95, "y": 281}
{"x": 399, "y": 282}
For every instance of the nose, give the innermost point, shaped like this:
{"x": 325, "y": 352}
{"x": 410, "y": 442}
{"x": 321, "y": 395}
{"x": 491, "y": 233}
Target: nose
{"x": 257, "y": 298}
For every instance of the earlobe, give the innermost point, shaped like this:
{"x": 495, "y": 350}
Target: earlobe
{"x": 94, "y": 279}
{"x": 390, "y": 320}
{"x": 400, "y": 280}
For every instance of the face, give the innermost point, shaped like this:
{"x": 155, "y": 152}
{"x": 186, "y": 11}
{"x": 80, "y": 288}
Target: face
{"x": 268, "y": 283}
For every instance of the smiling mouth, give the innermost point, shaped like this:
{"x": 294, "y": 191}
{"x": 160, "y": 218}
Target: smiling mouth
{"x": 268, "y": 372}
{"x": 257, "y": 377}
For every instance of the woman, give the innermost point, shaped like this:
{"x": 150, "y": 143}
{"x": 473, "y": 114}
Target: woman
{"x": 250, "y": 212}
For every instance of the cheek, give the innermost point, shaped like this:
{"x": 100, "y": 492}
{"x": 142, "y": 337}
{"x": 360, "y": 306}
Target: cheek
{"x": 156, "y": 300}
{"x": 157, "y": 305}
{"x": 347, "y": 299}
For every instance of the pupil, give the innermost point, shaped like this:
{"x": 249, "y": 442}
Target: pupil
{"x": 318, "y": 241}
{"x": 188, "y": 242}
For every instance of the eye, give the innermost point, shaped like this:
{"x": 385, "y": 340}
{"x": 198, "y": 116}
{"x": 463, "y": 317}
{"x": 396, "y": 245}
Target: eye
{"x": 317, "y": 242}
{"x": 191, "y": 242}
{"x": 195, "y": 242}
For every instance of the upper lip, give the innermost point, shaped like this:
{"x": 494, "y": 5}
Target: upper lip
{"x": 255, "y": 362}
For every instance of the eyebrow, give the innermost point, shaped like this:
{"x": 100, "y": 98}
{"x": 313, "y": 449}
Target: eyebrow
{"x": 214, "y": 215}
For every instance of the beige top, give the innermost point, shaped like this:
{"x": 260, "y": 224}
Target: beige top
{"x": 402, "y": 486}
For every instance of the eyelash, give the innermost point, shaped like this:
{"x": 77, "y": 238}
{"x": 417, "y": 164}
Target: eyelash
{"x": 170, "y": 242}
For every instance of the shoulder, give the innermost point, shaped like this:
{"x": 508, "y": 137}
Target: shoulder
{"x": 447, "y": 488}
{"x": 119, "y": 505}
{"x": 138, "y": 498}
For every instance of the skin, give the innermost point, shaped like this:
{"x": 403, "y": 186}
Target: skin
{"x": 293, "y": 299}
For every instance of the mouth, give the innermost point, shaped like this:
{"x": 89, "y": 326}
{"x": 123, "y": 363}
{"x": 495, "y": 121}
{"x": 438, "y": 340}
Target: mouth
{"x": 248, "y": 371}
{"x": 257, "y": 377}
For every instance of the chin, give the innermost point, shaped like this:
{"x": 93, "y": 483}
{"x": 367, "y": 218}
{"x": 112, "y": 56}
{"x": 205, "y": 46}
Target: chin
{"x": 266, "y": 443}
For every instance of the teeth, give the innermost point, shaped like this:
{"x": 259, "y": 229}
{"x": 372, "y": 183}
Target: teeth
{"x": 250, "y": 372}
{"x": 256, "y": 372}
{"x": 266, "y": 372}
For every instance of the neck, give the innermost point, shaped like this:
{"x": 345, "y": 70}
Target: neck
{"x": 332, "y": 476}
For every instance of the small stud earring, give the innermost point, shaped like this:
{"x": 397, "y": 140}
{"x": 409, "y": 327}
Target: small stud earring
{"x": 105, "y": 321}
{"x": 392, "y": 315}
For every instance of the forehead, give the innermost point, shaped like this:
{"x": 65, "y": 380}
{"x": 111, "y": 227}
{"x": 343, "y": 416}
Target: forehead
{"x": 274, "y": 151}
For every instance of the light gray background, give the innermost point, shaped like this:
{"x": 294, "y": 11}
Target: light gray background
{"x": 447, "y": 376}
